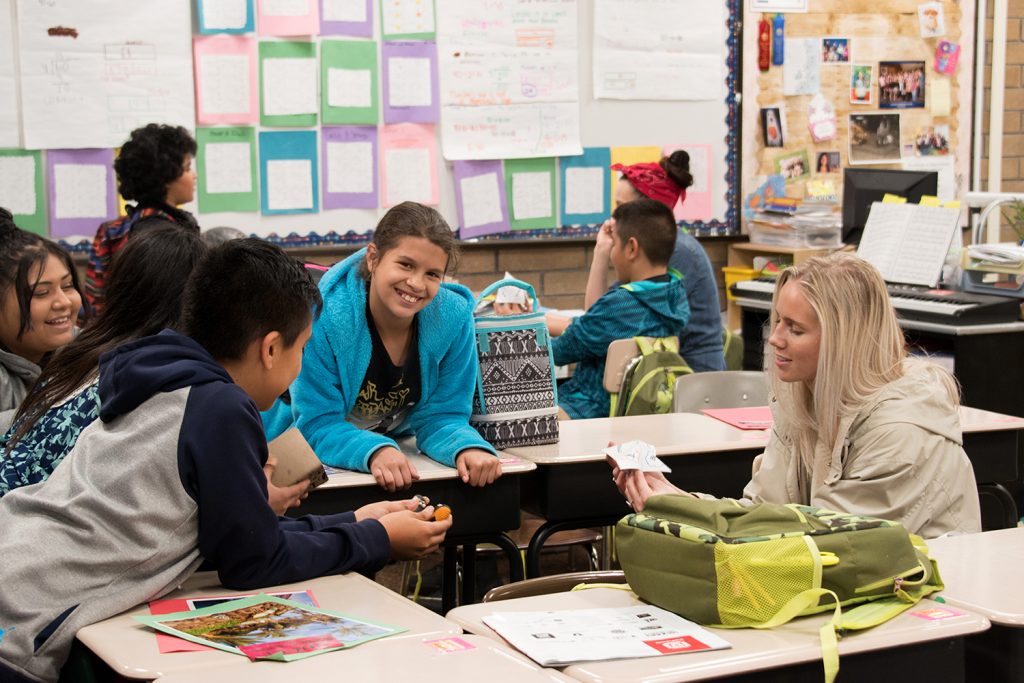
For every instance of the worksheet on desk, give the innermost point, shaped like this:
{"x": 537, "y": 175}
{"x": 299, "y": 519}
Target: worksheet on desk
{"x": 562, "y": 637}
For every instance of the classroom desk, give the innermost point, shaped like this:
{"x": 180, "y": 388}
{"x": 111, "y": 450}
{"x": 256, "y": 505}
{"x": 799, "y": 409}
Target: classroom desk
{"x": 982, "y": 572}
{"x": 130, "y": 648}
{"x": 481, "y": 515}
{"x": 905, "y": 649}
{"x": 471, "y": 658}
{"x": 572, "y": 486}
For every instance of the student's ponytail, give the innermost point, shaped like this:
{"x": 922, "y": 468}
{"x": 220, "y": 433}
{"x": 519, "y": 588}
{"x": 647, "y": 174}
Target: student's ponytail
{"x": 677, "y": 167}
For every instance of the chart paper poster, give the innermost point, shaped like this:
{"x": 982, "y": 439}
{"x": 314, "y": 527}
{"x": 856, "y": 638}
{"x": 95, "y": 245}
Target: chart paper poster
{"x": 227, "y": 169}
{"x": 225, "y": 16}
{"x": 346, "y": 18}
{"x": 349, "y": 156}
{"x": 801, "y": 74}
{"x": 226, "y": 80}
{"x": 656, "y": 50}
{"x": 289, "y": 17}
{"x": 288, "y": 94}
{"x": 627, "y": 156}
{"x": 10, "y": 127}
{"x": 509, "y": 83}
{"x": 409, "y": 82}
{"x": 288, "y": 172}
{"x": 409, "y": 164}
{"x": 348, "y": 81}
{"x": 408, "y": 19}
{"x": 21, "y": 188}
{"x": 81, "y": 190}
{"x": 697, "y": 206}
{"x": 586, "y": 197}
{"x": 530, "y": 187}
{"x": 135, "y": 71}
{"x": 480, "y": 197}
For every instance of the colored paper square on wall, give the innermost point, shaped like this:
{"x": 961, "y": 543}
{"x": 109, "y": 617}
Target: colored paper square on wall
{"x": 226, "y": 164}
{"x": 288, "y": 172}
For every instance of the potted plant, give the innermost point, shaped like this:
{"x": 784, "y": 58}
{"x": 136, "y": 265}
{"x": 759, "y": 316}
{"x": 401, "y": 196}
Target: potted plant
{"x": 1014, "y": 215}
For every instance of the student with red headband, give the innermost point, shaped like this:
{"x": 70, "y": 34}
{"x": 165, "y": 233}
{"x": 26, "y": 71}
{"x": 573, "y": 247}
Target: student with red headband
{"x": 666, "y": 181}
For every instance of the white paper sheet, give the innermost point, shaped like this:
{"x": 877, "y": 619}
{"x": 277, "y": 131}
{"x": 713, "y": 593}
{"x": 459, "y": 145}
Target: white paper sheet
{"x": 511, "y": 132}
{"x": 406, "y": 171}
{"x": 10, "y": 126}
{"x": 531, "y": 195}
{"x": 18, "y": 184}
{"x": 907, "y": 242}
{"x": 135, "y": 70}
{"x": 289, "y": 184}
{"x": 407, "y": 16}
{"x": 349, "y": 88}
{"x": 945, "y": 166}
{"x": 350, "y": 167}
{"x": 224, "y": 14}
{"x": 801, "y": 72}
{"x": 584, "y": 189}
{"x": 409, "y": 82}
{"x": 481, "y": 200}
{"x": 225, "y": 83}
{"x": 80, "y": 190}
{"x": 285, "y": 8}
{"x": 228, "y": 167}
{"x": 344, "y": 10}
{"x": 656, "y": 50}
{"x": 289, "y": 86}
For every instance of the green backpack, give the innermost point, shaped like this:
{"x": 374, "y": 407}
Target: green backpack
{"x": 649, "y": 381}
{"x": 720, "y": 563}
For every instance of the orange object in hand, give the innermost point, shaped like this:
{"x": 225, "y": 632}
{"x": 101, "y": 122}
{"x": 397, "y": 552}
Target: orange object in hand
{"x": 442, "y": 512}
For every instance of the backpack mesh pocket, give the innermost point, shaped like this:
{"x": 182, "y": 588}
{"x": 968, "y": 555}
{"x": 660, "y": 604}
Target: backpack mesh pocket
{"x": 756, "y": 579}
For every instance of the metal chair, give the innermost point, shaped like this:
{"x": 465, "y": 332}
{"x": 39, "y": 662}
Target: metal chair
{"x": 552, "y": 584}
{"x": 728, "y": 389}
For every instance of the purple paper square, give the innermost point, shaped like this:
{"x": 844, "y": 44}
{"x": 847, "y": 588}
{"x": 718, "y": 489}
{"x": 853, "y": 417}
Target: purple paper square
{"x": 360, "y": 29}
{"x": 471, "y": 169}
{"x": 85, "y": 225}
{"x": 410, "y": 50}
{"x": 349, "y": 200}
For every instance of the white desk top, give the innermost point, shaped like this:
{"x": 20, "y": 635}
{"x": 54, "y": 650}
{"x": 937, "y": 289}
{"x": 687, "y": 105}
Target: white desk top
{"x": 130, "y": 648}
{"x": 429, "y": 470}
{"x": 683, "y": 433}
{"x": 982, "y": 572}
{"x": 471, "y": 658}
{"x": 792, "y": 643}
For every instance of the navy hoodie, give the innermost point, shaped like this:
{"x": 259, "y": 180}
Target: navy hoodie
{"x": 170, "y": 475}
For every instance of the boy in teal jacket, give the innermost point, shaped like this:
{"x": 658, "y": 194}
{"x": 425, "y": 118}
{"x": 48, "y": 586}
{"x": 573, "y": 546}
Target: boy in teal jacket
{"x": 651, "y": 302}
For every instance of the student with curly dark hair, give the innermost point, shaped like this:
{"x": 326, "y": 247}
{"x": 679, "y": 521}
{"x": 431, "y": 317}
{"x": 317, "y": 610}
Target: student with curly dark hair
{"x": 154, "y": 170}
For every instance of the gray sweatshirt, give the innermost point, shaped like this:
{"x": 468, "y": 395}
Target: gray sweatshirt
{"x": 16, "y": 376}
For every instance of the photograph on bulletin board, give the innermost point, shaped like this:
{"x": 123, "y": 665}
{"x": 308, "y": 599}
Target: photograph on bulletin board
{"x": 862, "y": 84}
{"x": 874, "y": 138}
{"x": 901, "y": 85}
{"x": 835, "y": 51}
{"x": 773, "y": 127}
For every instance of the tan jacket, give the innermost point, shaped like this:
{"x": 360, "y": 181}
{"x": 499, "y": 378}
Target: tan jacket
{"x": 901, "y": 458}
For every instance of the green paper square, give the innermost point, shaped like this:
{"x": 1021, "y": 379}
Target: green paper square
{"x": 357, "y": 55}
{"x": 285, "y": 50}
{"x": 212, "y": 202}
{"x": 543, "y": 165}
{"x": 36, "y": 220}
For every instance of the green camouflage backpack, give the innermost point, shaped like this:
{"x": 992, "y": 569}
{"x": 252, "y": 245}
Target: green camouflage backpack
{"x": 649, "y": 381}
{"x": 721, "y": 563}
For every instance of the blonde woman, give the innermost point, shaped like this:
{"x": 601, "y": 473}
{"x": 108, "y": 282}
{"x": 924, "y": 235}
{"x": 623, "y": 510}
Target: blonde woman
{"x": 859, "y": 427}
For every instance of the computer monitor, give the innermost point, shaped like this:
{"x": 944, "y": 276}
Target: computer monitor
{"x": 863, "y": 186}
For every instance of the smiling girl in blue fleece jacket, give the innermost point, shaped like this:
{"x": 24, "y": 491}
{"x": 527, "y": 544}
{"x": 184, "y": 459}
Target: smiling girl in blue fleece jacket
{"x": 392, "y": 354}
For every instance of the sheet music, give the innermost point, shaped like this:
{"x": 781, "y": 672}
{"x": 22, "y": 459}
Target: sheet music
{"x": 908, "y": 243}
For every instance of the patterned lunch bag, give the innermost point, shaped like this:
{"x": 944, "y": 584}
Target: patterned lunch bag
{"x": 516, "y": 399}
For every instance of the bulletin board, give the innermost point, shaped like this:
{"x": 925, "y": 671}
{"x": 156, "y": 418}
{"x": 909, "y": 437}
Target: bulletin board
{"x": 932, "y": 135}
{"x": 707, "y": 127}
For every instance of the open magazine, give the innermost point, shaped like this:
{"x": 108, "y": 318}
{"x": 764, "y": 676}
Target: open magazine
{"x": 268, "y": 627}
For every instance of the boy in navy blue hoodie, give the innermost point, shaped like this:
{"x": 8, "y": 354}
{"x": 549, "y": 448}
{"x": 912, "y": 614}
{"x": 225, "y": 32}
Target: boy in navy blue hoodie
{"x": 651, "y": 302}
{"x": 172, "y": 473}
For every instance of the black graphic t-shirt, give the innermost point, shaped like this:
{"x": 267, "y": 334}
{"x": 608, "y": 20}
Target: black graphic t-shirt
{"x": 388, "y": 391}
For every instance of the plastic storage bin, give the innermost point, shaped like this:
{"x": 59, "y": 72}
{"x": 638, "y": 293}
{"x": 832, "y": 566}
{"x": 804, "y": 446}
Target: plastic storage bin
{"x": 734, "y": 274}
{"x": 830, "y": 237}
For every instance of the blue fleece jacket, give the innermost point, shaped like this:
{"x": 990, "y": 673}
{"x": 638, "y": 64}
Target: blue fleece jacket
{"x": 700, "y": 344}
{"x": 335, "y": 363}
{"x": 650, "y": 309}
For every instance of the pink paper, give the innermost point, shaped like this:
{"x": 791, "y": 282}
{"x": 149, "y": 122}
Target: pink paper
{"x": 408, "y": 152}
{"x": 697, "y": 206}
{"x": 306, "y": 23}
{"x": 217, "y": 46}
{"x": 759, "y": 417}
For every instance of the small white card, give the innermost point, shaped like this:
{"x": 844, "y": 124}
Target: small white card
{"x": 636, "y": 455}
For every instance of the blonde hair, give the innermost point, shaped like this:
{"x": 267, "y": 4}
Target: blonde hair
{"x": 861, "y": 349}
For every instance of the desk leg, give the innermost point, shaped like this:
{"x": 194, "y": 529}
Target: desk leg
{"x": 544, "y": 531}
{"x": 450, "y": 580}
{"x": 468, "y": 574}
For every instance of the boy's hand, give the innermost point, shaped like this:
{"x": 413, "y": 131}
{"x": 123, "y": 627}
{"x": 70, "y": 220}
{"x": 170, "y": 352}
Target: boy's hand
{"x": 510, "y": 309}
{"x": 414, "y": 535}
{"x": 392, "y": 469}
{"x": 280, "y": 499}
{"x": 477, "y": 467}
{"x": 603, "y": 241}
{"x": 385, "y": 507}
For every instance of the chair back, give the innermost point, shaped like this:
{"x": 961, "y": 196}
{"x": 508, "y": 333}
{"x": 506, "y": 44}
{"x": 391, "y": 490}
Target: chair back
{"x": 728, "y": 389}
{"x": 621, "y": 353}
{"x": 552, "y": 584}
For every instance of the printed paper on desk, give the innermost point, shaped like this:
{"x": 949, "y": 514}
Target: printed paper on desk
{"x": 587, "y": 635}
{"x": 636, "y": 455}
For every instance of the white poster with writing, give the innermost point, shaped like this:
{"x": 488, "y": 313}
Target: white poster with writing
{"x": 10, "y": 129}
{"x": 508, "y": 65}
{"x": 658, "y": 50}
{"x": 89, "y": 84}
